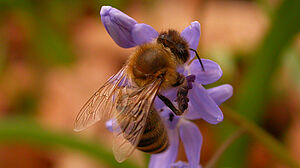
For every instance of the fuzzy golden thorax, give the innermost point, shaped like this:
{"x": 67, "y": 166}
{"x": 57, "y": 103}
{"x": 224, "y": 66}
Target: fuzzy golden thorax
{"x": 149, "y": 62}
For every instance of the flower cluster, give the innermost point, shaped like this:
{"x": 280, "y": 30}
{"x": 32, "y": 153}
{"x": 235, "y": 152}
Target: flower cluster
{"x": 203, "y": 104}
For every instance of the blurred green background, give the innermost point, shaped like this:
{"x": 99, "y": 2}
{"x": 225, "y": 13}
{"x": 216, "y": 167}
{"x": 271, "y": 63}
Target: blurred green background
{"x": 55, "y": 54}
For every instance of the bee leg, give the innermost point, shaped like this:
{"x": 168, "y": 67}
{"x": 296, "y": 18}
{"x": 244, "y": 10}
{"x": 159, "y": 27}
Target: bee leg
{"x": 185, "y": 84}
{"x": 169, "y": 104}
{"x": 180, "y": 80}
{"x": 183, "y": 90}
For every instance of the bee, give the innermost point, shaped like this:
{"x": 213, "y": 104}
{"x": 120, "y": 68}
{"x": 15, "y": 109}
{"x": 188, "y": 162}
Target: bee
{"x": 128, "y": 96}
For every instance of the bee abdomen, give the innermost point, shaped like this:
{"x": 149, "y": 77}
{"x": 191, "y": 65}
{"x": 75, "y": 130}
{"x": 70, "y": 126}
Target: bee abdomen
{"x": 158, "y": 146}
{"x": 154, "y": 138}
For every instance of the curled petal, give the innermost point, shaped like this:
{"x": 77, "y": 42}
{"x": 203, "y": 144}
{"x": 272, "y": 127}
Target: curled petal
{"x": 168, "y": 157}
{"x": 143, "y": 33}
{"x": 220, "y": 93}
{"x": 192, "y": 141}
{"x": 212, "y": 73}
{"x": 201, "y": 105}
{"x": 192, "y": 35}
{"x": 118, "y": 25}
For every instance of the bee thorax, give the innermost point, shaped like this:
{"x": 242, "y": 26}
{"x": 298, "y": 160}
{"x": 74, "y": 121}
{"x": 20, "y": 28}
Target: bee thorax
{"x": 149, "y": 62}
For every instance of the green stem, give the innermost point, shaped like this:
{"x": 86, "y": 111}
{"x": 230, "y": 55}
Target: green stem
{"x": 212, "y": 162}
{"x": 255, "y": 87}
{"x": 261, "y": 135}
{"x": 22, "y": 130}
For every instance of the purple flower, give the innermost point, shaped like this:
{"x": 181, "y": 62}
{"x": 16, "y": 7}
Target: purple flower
{"x": 124, "y": 30}
{"x": 181, "y": 164}
{"x": 203, "y": 104}
{"x": 181, "y": 127}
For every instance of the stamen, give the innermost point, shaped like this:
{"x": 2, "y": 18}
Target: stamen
{"x": 190, "y": 79}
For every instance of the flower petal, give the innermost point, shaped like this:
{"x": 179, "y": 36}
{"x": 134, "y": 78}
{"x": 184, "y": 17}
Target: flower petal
{"x": 169, "y": 118}
{"x": 192, "y": 141}
{"x": 168, "y": 157}
{"x": 109, "y": 125}
{"x": 143, "y": 33}
{"x": 112, "y": 125}
{"x": 201, "y": 105}
{"x": 170, "y": 93}
{"x": 158, "y": 104}
{"x": 118, "y": 25}
{"x": 192, "y": 35}
{"x": 212, "y": 73}
{"x": 220, "y": 93}
{"x": 183, "y": 69}
{"x": 181, "y": 164}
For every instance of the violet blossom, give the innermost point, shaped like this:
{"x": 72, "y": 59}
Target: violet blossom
{"x": 203, "y": 103}
{"x": 181, "y": 127}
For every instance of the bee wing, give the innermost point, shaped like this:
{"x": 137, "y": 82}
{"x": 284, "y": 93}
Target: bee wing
{"x": 131, "y": 119}
{"x": 101, "y": 105}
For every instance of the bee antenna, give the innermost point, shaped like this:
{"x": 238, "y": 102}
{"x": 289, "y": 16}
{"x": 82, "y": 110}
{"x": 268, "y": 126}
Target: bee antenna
{"x": 198, "y": 58}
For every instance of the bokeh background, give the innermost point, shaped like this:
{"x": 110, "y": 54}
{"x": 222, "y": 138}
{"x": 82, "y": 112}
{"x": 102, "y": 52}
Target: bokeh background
{"x": 55, "y": 54}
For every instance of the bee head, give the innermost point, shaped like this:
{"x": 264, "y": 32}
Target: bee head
{"x": 178, "y": 46}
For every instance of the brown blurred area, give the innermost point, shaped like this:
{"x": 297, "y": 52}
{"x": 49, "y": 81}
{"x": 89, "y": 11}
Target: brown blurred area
{"x": 54, "y": 94}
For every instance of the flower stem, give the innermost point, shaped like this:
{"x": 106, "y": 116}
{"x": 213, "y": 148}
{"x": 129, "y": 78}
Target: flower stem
{"x": 14, "y": 131}
{"x": 256, "y": 85}
{"x": 261, "y": 135}
{"x": 212, "y": 162}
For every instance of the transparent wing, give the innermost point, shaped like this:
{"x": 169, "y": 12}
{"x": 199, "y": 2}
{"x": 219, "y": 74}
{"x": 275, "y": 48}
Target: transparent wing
{"x": 101, "y": 105}
{"x": 131, "y": 117}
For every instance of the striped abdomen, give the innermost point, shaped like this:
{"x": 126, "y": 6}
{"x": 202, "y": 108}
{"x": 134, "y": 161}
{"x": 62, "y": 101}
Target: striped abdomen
{"x": 155, "y": 137}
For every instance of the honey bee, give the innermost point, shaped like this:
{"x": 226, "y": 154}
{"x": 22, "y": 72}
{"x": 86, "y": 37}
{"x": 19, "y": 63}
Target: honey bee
{"x": 128, "y": 96}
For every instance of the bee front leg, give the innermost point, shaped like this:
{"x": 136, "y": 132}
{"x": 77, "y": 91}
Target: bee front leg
{"x": 169, "y": 104}
{"x": 185, "y": 84}
{"x": 183, "y": 90}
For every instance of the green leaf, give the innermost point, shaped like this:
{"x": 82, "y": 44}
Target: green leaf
{"x": 27, "y": 131}
{"x": 292, "y": 64}
{"x": 255, "y": 87}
